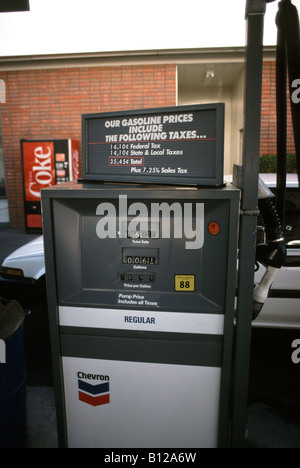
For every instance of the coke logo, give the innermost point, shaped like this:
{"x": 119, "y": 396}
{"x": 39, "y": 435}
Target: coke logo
{"x": 75, "y": 157}
{"x": 42, "y": 171}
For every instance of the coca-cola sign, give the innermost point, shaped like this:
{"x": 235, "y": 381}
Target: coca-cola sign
{"x": 39, "y": 168}
{"x": 75, "y": 172}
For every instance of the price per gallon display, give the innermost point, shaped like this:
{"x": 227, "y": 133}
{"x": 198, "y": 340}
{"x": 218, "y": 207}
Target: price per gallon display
{"x": 169, "y": 145}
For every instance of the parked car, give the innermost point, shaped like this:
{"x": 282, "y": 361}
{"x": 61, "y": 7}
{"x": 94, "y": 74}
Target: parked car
{"x": 25, "y": 268}
{"x": 22, "y": 274}
{"x": 282, "y": 308}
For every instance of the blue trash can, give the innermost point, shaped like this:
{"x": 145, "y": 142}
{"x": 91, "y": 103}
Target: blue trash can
{"x": 12, "y": 376}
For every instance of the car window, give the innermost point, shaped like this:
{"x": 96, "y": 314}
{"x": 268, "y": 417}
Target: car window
{"x": 292, "y": 218}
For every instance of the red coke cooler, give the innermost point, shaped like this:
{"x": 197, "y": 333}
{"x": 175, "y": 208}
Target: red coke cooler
{"x": 46, "y": 163}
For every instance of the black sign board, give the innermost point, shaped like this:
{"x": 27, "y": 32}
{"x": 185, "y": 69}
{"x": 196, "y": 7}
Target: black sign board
{"x": 14, "y": 5}
{"x": 175, "y": 145}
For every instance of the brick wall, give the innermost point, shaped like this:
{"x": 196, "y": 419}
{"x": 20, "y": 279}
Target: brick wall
{"x": 48, "y": 104}
{"x": 268, "y": 114}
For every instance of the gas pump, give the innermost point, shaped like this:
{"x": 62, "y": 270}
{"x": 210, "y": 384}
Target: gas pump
{"x": 141, "y": 282}
{"x": 141, "y": 304}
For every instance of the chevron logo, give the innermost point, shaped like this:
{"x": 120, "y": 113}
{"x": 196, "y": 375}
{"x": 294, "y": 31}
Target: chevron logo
{"x": 94, "y": 395}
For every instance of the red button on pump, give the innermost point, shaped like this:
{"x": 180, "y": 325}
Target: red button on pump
{"x": 214, "y": 228}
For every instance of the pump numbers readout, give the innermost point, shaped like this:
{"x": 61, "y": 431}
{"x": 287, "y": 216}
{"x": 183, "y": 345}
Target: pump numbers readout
{"x": 184, "y": 283}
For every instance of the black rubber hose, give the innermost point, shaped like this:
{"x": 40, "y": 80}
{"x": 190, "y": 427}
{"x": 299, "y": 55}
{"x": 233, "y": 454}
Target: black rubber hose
{"x": 271, "y": 220}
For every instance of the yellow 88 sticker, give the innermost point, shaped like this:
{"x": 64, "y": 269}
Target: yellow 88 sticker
{"x": 184, "y": 282}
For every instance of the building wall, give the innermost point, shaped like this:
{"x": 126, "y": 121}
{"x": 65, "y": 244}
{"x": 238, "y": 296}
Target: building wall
{"x": 205, "y": 96}
{"x": 268, "y": 114}
{"x": 233, "y": 96}
{"x": 48, "y": 104}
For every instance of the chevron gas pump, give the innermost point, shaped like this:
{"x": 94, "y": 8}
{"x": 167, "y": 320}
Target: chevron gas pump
{"x": 141, "y": 282}
{"x": 145, "y": 316}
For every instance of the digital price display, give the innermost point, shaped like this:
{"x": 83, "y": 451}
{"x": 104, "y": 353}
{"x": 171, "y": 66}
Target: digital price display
{"x": 175, "y": 145}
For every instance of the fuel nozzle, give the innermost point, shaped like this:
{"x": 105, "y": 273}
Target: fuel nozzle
{"x": 262, "y": 289}
{"x": 272, "y": 251}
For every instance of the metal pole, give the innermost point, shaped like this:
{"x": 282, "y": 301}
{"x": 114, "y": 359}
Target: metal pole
{"x": 255, "y": 10}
